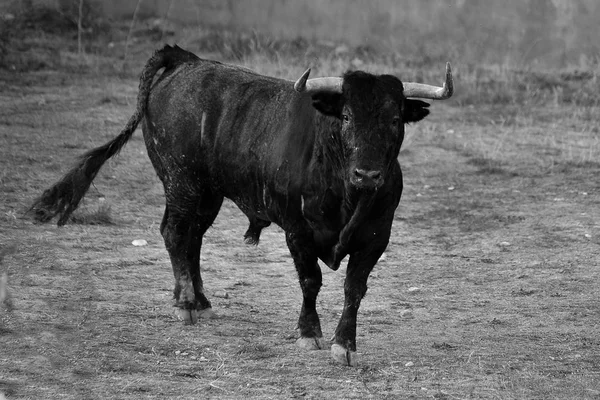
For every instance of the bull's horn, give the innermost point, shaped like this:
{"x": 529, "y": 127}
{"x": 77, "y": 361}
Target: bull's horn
{"x": 423, "y": 91}
{"x": 3, "y": 280}
{"x": 300, "y": 85}
{"x": 329, "y": 84}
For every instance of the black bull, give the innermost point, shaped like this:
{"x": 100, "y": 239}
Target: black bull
{"x": 318, "y": 158}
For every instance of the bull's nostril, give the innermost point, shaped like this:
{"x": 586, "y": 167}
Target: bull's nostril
{"x": 375, "y": 175}
{"x": 367, "y": 177}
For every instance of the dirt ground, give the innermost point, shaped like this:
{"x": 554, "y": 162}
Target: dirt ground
{"x": 489, "y": 288}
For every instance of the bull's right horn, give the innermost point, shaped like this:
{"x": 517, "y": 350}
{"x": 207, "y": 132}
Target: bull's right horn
{"x": 329, "y": 84}
{"x": 300, "y": 85}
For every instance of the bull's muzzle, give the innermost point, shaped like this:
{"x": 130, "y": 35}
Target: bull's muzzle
{"x": 366, "y": 179}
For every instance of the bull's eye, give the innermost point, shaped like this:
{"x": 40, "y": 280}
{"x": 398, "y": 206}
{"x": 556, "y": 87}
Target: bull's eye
{"x": 396, "y": 120}
{"x": 345, "y": 118}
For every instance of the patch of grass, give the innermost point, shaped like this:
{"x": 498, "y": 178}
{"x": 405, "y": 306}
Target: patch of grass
{"x": 255, "y": 351}
{"x": 488, "y": 166}
{"x": 573, "y": 166}
{"x": 242, "y": 45}
{"x": 101, "y": 216}
{"x": 41, "y": 35}
{"x": 506, "y": 85}
{"x": 61, "y": 18}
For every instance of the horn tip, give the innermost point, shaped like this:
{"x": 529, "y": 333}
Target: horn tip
{"x": 300, "y": 84}
{"x": 449, "y": 84}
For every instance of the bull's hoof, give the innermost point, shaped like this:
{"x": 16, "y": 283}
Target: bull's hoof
{"x": 343, "y": 356}
{"x": 189, "y": 317}
{"x": 207, "y": 313}
{"x": 308, "y": 343}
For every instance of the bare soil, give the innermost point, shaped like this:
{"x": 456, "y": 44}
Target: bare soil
{"x": 490, "y": 286}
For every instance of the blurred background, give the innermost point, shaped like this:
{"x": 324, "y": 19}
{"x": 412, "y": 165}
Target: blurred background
{"x": 513, "y": 51}
{"x": 554, "y": 33}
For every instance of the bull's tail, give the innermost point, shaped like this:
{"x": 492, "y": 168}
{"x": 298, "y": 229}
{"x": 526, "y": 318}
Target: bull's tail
{"x": 64, "y": 196}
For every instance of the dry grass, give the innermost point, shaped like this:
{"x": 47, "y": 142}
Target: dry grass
{"x": 499, "y": 229}
{"x": 102, "y": 215}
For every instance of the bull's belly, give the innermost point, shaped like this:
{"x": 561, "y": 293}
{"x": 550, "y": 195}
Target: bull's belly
{"x": 260, "y": 205}
{"x": 288, "y": 210}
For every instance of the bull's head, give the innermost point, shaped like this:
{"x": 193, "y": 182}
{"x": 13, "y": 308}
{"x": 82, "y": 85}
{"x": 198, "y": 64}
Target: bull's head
{"x": 373, "y": 111}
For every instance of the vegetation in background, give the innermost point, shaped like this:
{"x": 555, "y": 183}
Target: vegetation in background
{"x": 41, "y": 38}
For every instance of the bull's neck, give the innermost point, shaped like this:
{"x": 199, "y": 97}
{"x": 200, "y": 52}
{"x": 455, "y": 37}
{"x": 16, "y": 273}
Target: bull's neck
{"x": 329, "y": 151}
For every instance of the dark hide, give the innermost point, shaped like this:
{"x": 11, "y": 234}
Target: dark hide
{"x": 324, "y": 168}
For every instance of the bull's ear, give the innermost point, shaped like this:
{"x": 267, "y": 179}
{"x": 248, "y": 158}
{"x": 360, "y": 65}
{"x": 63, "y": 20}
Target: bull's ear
{"x": 414, "y": 110}
{"x": 328, "y": 103}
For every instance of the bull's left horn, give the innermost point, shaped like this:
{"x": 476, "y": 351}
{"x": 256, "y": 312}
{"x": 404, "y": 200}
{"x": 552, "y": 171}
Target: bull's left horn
{"x": 329, "y": 84}
{"x": 423, "y": 91}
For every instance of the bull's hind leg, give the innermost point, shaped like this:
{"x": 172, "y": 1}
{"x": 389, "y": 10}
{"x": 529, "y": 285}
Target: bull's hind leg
{"x": 183, "y": 228}
{"x": 309, "y": 274}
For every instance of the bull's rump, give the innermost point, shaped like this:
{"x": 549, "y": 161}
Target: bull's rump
{"x": 227, "y": 130}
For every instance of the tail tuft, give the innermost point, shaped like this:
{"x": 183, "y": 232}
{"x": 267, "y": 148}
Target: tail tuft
{"x": 65, "y": 195}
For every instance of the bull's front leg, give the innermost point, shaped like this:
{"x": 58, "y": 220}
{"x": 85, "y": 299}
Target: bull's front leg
{"x": 360, "y": 265}
{"x": 303, "y": 252}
